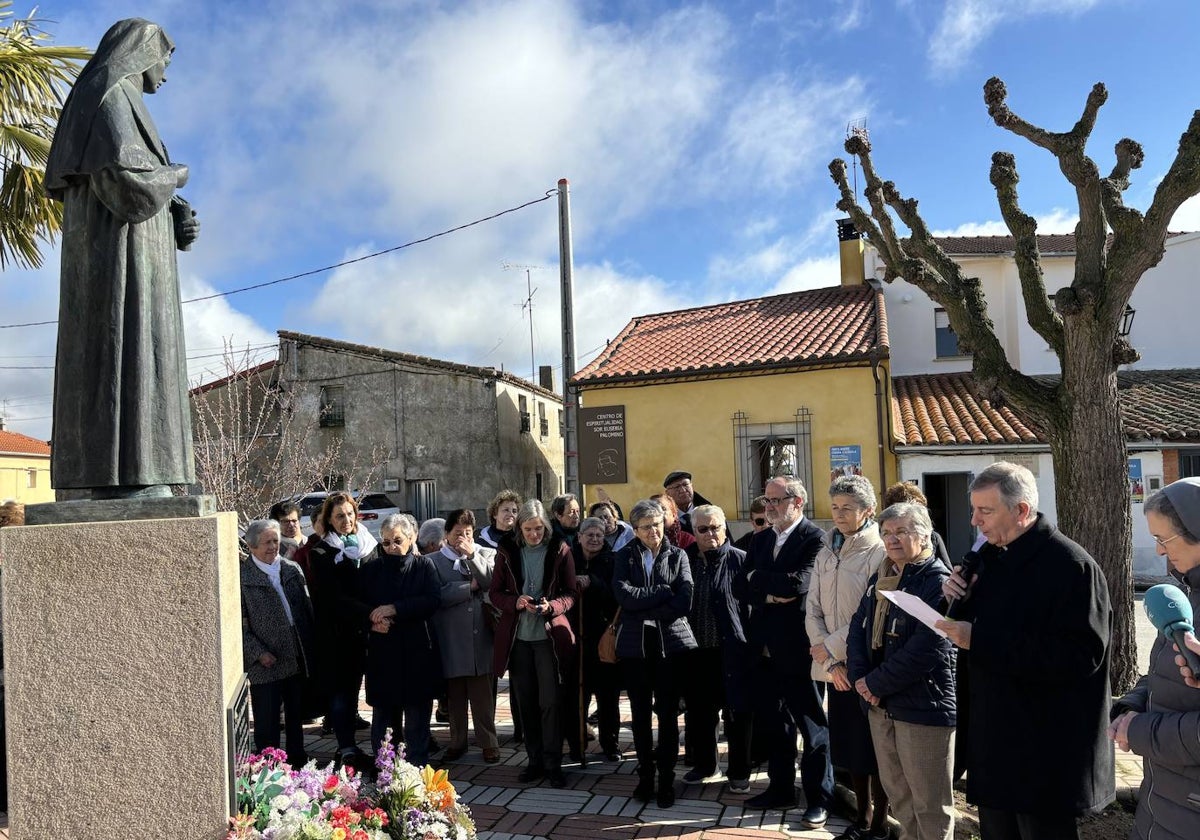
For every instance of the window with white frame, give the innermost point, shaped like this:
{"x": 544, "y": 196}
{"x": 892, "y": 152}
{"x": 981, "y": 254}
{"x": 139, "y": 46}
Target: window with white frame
{"x": 946, "y": 340}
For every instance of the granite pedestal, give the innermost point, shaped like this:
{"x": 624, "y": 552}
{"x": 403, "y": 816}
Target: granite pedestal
{"x": 122, "y": 650}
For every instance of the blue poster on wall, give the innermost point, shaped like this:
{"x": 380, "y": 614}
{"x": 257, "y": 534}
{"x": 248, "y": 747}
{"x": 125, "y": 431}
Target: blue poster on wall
{"x": 1137, "y": 490}
{"x": 844, "y": 460}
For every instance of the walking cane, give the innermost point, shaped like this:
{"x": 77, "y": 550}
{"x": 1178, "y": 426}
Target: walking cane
{"x": 583, "y": 756}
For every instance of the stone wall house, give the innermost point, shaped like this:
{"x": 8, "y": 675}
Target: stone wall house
{"x": 440, "y": 435}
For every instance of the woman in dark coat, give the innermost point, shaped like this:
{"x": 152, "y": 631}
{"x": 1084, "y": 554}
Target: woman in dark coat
{"x": 277, "y": 638}
{"x": 1160, "y": 718}
{"x": 904, "y": 672}
{"x": 652, "y": 582}
{"x": 343, "y": 618}
{"x": 593, "y": 612}
{"x": 533, "y": 586}
{"x": 403, "y": 668}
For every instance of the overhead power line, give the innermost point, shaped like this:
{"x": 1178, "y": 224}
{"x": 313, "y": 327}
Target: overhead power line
{"x": 549, "y": 194}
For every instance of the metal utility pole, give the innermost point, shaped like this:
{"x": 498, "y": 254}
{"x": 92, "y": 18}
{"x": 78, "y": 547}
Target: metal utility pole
{"x": 570, "y": 394}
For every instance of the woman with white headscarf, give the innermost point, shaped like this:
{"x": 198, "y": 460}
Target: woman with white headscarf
{"x": 277, "y": 638}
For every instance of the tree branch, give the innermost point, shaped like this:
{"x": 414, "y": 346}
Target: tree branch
{"x": 1134, "y": 255}
{"x": 921, "y": 262}
{"x": 1038, "y": 310}
{"x": 1091, "y": 234}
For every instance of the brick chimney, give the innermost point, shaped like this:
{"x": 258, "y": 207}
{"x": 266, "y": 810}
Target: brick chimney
{"x": 850, "y": 247}
{"x": 546, "y": 377}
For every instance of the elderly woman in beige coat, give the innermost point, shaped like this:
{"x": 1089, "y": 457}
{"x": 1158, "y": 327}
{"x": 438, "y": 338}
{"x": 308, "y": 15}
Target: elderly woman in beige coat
{"x": 850, "y": 553}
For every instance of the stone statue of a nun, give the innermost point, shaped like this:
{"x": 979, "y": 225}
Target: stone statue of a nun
{"x": 122, "y": 426}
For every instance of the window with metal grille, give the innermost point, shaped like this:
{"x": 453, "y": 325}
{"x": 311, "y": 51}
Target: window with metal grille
{"x": 333, "y": 405}
{"x": 763, "y": 451}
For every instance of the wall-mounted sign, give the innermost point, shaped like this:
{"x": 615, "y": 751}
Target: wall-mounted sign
{"x": 602, "y": 445}
{"x": 1137, "y": 490}
{"x": 844, "y": 460}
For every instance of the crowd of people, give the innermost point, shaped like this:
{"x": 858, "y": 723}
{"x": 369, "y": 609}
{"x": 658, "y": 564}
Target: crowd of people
{"x": 829, "y": 647}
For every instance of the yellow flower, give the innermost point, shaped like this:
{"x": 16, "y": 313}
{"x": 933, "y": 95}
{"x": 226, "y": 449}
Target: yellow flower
{"x": 339, "y": 834}
{"x": 438, "y": 790}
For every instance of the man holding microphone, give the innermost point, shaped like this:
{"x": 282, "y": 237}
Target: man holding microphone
{"x": 1035, "y": 631}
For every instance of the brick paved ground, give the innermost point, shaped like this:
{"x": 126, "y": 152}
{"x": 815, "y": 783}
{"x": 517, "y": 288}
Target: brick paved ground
{"x": 597, "y": 798}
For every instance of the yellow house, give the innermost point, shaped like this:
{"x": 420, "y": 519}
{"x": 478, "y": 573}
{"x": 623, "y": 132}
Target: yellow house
{"x": 792, "y": 384}
{"x": 24, "y": 468}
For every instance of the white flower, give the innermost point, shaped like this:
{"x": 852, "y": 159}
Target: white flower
{"x": 281, "y": 802}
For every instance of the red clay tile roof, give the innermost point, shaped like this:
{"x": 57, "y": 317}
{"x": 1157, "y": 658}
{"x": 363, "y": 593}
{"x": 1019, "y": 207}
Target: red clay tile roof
{"x": 15, "y": 443}
{"x": 240, "y": 374}
{"x": 964, "y": 246}
{"x": 1160, "y": 404}
{"x": 978, "y": 246}
{"x": 945, "y": 409}
{"x": 841, "y": 324}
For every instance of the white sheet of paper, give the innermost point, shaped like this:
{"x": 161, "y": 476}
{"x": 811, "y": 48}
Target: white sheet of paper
{"x": 917, "y": 608}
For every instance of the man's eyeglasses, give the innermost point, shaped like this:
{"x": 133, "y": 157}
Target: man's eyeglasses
{"x": 776, "y": 502}
{"x": 760, "y": 521}
{"x": 1161, "y": 541}
{"x": 289, "y": 521}
{"x": 709, "y": 529}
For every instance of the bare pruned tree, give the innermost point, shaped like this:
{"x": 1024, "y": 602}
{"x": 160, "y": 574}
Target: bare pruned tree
{"x": 1114, "y": 246}
{"x": 250, "y": 449}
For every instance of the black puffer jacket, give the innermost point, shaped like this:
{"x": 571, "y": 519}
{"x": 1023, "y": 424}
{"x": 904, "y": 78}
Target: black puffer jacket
{"x": 1166, "y": 734}
{"x": 913, "y": 673}
{"x": 665, "y": 599}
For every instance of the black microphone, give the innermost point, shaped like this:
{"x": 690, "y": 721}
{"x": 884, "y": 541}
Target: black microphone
{"x": 1170, "y": 611}
{"x": 970, "y": 567}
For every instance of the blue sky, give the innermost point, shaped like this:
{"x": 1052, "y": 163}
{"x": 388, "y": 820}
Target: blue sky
{"x": 696, "y": 137}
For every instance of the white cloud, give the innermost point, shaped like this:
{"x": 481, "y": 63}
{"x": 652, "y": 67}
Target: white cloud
{"x": 321, "y": 132}
{"x": 1057, "y": 220}
{"x": 211, "y": 326}
{"x": 965, "y": 24}
{"x": 779, "y": 129}
{"x": 814, "y": 273}
{"x": 770, "y": 262}
{"x": 852, "y": 15}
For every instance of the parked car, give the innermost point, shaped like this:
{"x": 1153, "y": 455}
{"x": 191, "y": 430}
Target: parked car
{"x": 373, "y": 508}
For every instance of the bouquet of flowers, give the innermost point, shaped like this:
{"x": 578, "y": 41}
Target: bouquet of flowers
{"x": 420, "y": 804}
{"x": 277, "y": 802}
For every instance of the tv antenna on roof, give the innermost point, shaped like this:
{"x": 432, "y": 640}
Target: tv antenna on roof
{"x": 857, "y": 128}
{"x": 527, "y": 304}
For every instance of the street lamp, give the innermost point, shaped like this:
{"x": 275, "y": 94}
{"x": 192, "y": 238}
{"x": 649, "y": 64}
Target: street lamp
{"x": 1127, "y": 321}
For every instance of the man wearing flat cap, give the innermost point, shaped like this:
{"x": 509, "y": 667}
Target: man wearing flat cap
{"x": 678, "y": 485}
{"x": 1035, "y": 631}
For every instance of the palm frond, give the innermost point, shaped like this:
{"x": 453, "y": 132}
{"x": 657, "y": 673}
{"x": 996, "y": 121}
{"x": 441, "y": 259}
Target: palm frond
{"x": 28, "y": 218}
{"x": 34, "y": 79}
